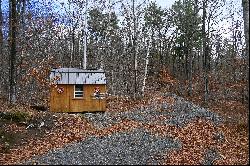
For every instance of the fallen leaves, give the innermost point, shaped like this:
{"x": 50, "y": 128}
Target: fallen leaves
{"x": 196, "y": 137}
{"x": 13, "y": 128}
{"x": 63, "y": 134}
{"x": 235, "y": 149}
{"x": 170, "y": 100}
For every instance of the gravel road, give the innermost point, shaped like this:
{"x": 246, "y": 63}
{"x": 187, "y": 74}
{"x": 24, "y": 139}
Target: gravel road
{"x": 136, "y": 147}
{"x": 132, "y": 147}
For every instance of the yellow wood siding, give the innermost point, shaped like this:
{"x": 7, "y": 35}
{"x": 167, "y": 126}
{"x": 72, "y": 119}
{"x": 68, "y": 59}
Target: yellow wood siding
{"x": 65, "y": 102}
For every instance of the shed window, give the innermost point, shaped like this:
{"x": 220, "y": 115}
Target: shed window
{"x": 78, "y": 91}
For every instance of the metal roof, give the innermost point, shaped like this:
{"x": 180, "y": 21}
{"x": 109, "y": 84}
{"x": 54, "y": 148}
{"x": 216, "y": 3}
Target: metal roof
{"x": 77, "y": 76}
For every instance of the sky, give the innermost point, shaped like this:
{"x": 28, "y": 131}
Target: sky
{"x": 168, "y": 3}
{"x": 165, "y": 3}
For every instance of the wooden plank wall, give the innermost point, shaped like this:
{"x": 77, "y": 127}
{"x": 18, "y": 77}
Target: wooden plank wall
{"x": 65, "y": 102}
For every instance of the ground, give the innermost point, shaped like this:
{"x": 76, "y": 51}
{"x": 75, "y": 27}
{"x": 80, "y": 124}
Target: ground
{"x": 26, "y": 132}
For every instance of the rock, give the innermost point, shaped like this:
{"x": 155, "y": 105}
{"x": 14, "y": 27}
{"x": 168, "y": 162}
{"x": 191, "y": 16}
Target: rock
{"x": 41, "y": 125}
{"x": 210, "y": 156}
{"x": 30, "y": 125}
{"x": 219, "y": 137}
{"x": 133, "y": 148}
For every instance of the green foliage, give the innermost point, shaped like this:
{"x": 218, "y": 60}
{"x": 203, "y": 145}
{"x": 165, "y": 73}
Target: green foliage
{"x": 186, "y": 19}
{"x": 15, "y": 116}
{"x": 99, "y": 23}
{"x": 154, "y": 16}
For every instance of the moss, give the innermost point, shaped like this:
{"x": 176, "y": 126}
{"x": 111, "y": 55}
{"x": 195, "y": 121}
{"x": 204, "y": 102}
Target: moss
{"x": 7, "y": 140}
{"x": 15, "y": 116}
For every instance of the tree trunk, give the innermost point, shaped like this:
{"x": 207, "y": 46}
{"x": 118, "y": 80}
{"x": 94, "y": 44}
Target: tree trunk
{"x": 112, "y": 81}
{"x": 205, "y": 50}
{"x": 134, "y": 50}
{"x": 12, "y": 58}
{"x": 146, "y": 69}
{"x": 190, "y": 72}
{"x": 245, "y": 5}
{"x": 72, "y": 57}
{"x": 85, "y": 37}
{"x": 1, "y": 30}
{"x": 186, "y": 63}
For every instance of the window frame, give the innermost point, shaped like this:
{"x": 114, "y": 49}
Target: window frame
{"x": 81, "y": 92}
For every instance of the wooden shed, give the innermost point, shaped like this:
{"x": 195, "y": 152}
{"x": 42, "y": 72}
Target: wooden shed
{"x": 77, "y": 90}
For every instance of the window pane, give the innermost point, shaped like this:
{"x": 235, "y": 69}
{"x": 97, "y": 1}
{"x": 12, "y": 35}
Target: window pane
{"x": 78, "y": 87}
{"x": 78, "y": 90}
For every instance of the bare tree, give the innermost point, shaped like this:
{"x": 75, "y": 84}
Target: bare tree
{"x": 245, "y": 5}
{"x": 205, "y": 48}
{"x": 1, "y": 29}
{"x": 134, "y": 49}
{"x": 12, "y": 43}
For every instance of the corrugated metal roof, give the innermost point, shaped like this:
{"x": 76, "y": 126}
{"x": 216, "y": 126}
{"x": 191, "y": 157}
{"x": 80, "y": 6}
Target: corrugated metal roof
{"x": 76, "y": 70}
{"x": 78, "y": 76}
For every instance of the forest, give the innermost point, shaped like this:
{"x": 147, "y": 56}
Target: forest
{"x": 194, "y": 49}
{"x": 132, "y": 42}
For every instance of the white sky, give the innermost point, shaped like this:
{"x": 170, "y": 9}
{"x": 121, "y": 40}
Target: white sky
{"x": 168, "y": 3}
{"x": 165, "y": 3}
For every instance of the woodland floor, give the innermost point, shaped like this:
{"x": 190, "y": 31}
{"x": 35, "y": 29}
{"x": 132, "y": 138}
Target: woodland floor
{"x": 26, "y": 132}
